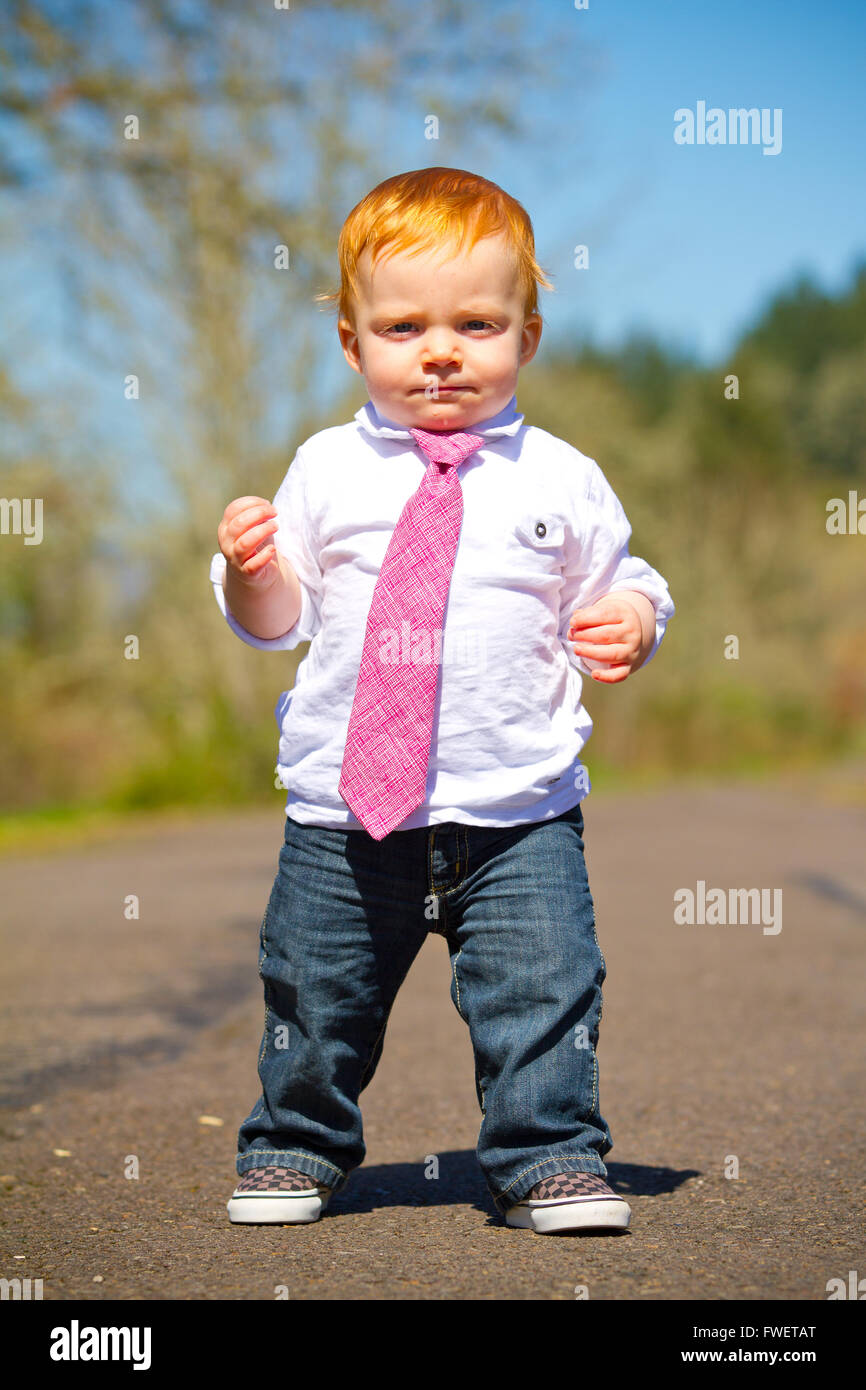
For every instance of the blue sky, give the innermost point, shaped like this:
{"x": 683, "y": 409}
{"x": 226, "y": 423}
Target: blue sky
{"x": 690, "y": 240}
{"x": 685, "y": 242}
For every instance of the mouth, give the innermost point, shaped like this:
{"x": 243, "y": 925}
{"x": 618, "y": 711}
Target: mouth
{"x": 446, "y": 390}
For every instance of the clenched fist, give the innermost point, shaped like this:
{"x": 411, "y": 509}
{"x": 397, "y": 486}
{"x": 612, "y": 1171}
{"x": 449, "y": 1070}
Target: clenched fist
{"x": 243, "y": 539}
{"x": 614, "y": 635}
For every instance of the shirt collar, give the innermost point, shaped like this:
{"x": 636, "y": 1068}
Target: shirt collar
{"x": 508, "y": 421}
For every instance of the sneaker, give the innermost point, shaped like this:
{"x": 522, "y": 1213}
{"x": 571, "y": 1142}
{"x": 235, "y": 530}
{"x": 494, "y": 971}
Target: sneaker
{"x": 281, "y": 1196}
{"x": 570, "y": 1201}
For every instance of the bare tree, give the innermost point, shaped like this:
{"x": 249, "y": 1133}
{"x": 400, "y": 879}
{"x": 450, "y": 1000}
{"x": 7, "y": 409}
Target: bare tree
{"x": 157, "y": 155}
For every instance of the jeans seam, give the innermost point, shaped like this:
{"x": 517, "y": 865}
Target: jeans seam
{"x": 598, "y": 946}
{"x": 263, "y": 939}
{"x": 265, "y": 1033}
{"x": 598, "y": 1022}
{"x": 379, "y": 1038}
{"x": 457, "y": 984}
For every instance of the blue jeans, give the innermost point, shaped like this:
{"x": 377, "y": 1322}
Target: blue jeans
{"x": 346, "y": 918}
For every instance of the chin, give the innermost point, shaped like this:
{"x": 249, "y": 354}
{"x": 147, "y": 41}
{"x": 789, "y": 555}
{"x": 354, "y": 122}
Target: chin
{"x": 461, "y": 407}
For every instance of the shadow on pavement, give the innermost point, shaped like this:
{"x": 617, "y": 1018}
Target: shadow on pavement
{"x": 460, "y": 1183}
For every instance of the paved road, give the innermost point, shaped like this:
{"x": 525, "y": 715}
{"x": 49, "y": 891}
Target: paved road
{"x": 717, "y": 1041}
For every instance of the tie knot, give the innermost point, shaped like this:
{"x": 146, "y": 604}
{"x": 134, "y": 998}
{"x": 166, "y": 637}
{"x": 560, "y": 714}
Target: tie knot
{"x": 447, "y": 446}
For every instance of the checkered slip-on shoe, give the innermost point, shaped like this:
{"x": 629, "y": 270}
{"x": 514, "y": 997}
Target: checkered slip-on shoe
{"x": 281, "y": 1196}
{"x": 569, "y": 1202}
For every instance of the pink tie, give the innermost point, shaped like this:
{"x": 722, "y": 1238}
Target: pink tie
{"x": 384, "y": 773}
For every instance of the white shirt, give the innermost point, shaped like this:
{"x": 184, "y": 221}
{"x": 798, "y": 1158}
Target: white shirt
{"x": 542, "y": 534}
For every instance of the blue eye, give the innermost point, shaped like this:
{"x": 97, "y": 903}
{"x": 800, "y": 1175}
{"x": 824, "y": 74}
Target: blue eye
{"x": 407, "y": 327}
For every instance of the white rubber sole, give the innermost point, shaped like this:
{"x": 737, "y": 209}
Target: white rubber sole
{"x": 276, "y": 1208}
{"x": 576, "y": 1214}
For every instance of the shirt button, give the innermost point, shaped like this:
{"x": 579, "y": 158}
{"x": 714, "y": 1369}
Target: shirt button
{"x": 540, "y": 529}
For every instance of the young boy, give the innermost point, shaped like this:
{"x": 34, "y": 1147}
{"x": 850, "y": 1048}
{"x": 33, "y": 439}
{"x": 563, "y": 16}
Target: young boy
{"x": 454, "y": 571}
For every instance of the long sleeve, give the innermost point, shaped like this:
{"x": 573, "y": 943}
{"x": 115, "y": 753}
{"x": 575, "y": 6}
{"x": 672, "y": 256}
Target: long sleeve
{"x": 294, "y": 539}
{"x": 602, "y": 564}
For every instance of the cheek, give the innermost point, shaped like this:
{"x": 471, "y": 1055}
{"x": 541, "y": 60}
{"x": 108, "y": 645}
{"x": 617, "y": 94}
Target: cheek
{"x": 505, "y": 358}
{"x": 386, "y": 366}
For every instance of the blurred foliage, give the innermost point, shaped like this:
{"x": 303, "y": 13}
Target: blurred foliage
{"x": 727, "y": 498}
{"x": 165, "y": 250}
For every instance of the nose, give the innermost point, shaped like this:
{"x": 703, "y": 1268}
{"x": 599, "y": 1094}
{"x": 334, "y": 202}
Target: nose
{"x": 440, "y": 349}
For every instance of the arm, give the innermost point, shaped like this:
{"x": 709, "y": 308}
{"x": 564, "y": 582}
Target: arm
{"x": 614, "y": 606}
{"x": 266, "y": 576}
{"x": 265, "y": 611}
{"x": 647, "y": 616}
{"x": 261, "y": 587}
{"x": 615, "y": 635}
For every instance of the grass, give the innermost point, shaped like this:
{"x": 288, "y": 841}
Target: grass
{"x": 53, "y": 829}
{"x": 58, "y": 828}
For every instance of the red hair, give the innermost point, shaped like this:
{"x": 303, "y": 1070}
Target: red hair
{"x": 425, "y": 209}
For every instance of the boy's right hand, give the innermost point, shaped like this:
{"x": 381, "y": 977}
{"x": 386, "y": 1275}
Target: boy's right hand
{"x": 247, "y": 522}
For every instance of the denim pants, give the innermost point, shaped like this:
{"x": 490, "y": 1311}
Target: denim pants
{"x": 347, "y": 916}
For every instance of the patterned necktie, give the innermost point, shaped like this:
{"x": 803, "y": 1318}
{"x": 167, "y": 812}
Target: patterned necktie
{"x": 384, "y": 772}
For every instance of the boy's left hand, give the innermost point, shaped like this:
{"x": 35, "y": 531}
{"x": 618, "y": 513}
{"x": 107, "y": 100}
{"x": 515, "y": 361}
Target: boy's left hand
{"x": 610, "y": 631}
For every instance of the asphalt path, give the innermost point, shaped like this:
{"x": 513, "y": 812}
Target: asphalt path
{"x": 731, "y": 1073}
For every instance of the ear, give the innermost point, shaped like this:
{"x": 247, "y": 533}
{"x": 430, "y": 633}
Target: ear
{"x": 530, "y": 338}
{"x": 350, "y": 344}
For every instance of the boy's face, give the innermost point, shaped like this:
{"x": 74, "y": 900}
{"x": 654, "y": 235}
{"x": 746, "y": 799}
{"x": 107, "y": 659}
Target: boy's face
{"x": 438, "y": 317}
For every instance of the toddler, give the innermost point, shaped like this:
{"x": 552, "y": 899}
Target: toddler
{"x": 457, "y": 573}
